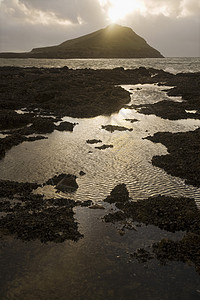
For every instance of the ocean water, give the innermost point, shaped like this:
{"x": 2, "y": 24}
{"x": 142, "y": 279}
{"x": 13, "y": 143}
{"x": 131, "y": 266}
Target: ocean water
{"x": 99, "y": 266}
{"x": 171, "y": 64}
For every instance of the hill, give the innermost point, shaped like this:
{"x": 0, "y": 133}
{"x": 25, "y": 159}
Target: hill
{"x": 114, "y": 41}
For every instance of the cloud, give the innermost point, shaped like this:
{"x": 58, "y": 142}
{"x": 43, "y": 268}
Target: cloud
{"x": 170, "y": 8}
{"x": 171, "y": 26}
{"x": 71, "y": 10}
{"x": 20, "y": 12}
{"x": 26, "y": 24}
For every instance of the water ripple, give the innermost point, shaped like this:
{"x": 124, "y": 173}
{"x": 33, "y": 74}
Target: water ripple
{"x": 129, "y": 161}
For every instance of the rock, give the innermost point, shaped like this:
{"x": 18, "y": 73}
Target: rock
{"x": 86, "y": 203}
{"x": 112, "y": 128}
{"x": 118, "y": 194}
{"x": 64, "y": 182}
{"x": 82, "y": 173}
{"x": 183, "y": 159}
{"x": 65, "y": 126}
{"x": 36, "y": 138}
{"x": 67, "y": 184}
{"x": 103, "y": 147}
{"x": 131, "y": 120}
{"x": 43, "y": 125}
{"x": 94, "y": 141}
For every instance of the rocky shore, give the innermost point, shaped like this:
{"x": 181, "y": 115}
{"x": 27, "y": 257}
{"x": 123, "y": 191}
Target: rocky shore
{"x": 32, "y": 104}
{"x": 168, "y": 213}
{"x": 29, "y": 216}
{"x": 44, "y": 96}
{"x": 183, "y": 159}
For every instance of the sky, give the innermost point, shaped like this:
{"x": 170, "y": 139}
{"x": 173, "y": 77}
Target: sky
{"x": 170, "y": 26}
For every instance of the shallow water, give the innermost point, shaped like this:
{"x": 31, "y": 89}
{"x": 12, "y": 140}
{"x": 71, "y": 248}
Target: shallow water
{"x": 129, "y": 160}
{"x": 99, "y": 265}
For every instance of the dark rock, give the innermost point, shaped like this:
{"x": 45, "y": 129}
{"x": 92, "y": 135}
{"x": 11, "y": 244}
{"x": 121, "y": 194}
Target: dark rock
{"x": 168, "y": 213}
{"x": 65, "y": 126}
{"x": 43, "y": 125}
{"x": 186, "y": 250}
{"x": 10, "y": 119}
{"x": 112, "y": 128}
{"x": 131, "y": 120}
{"x": 33, "y": 217}
{"x": 183, "y": 159}
{"x": 103, "y": 147}
{"x": 36, "y": 138}
{"x": 64, "y": 182}
{"x": 93, "y": 141}
{"x": 118, "y": 194}
{"x": 167, "y": 110}
{"x": 81, "y": 173}
{"x": 86, "y": 203}
{"x": 65, "y": 68}
{"x": 67, "y": 184}
{"x": 10, "y": 188}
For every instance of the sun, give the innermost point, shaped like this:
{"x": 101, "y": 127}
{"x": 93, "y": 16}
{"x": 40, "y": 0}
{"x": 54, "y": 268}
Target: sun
{"x": 119, "y": 9}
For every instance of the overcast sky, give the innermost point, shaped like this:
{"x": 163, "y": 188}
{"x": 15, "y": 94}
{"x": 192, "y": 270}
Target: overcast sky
{"x": 170, "y": 26}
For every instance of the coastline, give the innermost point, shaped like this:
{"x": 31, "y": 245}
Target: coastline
{"x": 88, "y": 93}
{"x": 34, "y": 102}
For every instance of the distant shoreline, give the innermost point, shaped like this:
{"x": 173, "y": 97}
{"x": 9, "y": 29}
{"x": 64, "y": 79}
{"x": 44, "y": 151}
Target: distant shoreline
{"x": 172, "y": 65}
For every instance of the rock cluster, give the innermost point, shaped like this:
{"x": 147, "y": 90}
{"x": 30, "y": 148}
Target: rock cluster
{"x": 168, "y": 213}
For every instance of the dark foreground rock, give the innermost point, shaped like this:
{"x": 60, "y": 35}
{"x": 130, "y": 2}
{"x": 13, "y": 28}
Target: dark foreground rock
{"x": 29, "y": 216}
{"x": 168, "y": 213}
{"x": 89, "y": 93}
{"x": 44, "y": 125}
{"x": 187, "y": 86}
{"x": 54, "y": 224}
{"x": 118, "y": 194}
{"x": 10, "y": 119}
{"x": 112, "y": 128}
{"x": 183, "y": 159}
{"x": 65, "y": 126}
{"x": 63, "y": 92}
{"x": 103, "y": 147}
{"x": 131, "y": 120}
{"x": 167, "y": 110}
{"x": 186, "y": 250}
{"x": 10, "y": 188}
{"x": 94, "y": 141}
{"x": 64, "y": 182}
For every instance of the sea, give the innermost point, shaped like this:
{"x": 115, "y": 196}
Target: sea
{"x": 99, "y": 266}
{"x": 171, "y": 64}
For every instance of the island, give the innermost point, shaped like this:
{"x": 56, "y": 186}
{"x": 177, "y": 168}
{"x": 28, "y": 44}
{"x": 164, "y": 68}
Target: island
{"x": 114, "y": 41}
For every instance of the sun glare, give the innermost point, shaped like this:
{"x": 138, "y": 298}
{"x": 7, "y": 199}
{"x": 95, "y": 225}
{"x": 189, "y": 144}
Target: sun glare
{"x": 119, "y": 9}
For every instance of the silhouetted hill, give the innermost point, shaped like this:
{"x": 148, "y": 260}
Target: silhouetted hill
{"x": 114, "y": 41}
